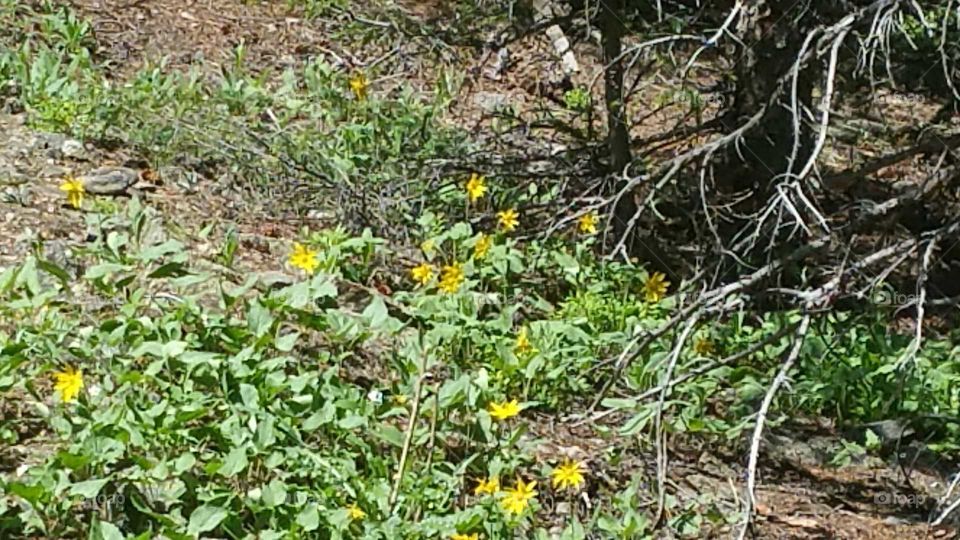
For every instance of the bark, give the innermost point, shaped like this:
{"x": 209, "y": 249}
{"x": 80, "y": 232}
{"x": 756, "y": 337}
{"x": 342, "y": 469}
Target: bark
{"x": 772, "y": 37}
{"x": 618, "y": 137}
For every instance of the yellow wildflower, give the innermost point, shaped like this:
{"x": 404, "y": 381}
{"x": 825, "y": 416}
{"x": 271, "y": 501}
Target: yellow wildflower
{"x": 488, "y": 486}
{"x": 451, "y": 278}
{"x": 422, "y": 274}
{"x": 359, "y": 84}
{"x": 518, "y": 497}
{"x": 476, "y": 187}
{"x": 588, "y": 223}
{"x": 69, "y": 383}
{"x": 522, "y": 345}
{"x": 502, "y": 411}
{"x": 508, "y": 219}
{"x": 473, "y": 536}
{"x": 568, "y": 475}
{"x": 74, "y": 190}
{"x": 482, "y": 246}
{"x": 656, "y": 287}
{"x": 355, "y": 512}
{"x": 304, "y": 258}
{"x": 704, "y": 346}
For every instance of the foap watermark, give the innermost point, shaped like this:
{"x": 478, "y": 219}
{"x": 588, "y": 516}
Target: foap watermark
{"x": 111, "y": 502}
{"x": 891, "y": 498}
{"x": 884, "y": 297}
{"x": 898, "y": 98}
{"x": 103, "y": 501}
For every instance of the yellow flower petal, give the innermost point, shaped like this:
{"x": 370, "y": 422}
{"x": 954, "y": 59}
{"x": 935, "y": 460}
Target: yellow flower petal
{"x": 74, "y": 190}
{"x": 475, "y": 187}
{"x": 508, "y": 219}
{"x": 451, "y": 277}
{"x": 505, "y": 410}
{"x": 587, "y": 224}
{"x": 304, "y": 258}
{"x": 69, "y": 383}
{"x": 482, "y": 246}
{"x": 568, "y": 475}
{"x": 355, "y": 512}
{"x": 358, "y": 85}
{"x": 655, "y": 287}
{"x": 518, "y": 497}
{"x": 422, "y": 274}
{"x": 487, "y": 486}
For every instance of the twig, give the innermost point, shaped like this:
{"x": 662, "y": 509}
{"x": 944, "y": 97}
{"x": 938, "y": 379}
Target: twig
{"x": 411, "y": 425}
{"x": 658, "y": 420}
{"x": 750, "y": 500}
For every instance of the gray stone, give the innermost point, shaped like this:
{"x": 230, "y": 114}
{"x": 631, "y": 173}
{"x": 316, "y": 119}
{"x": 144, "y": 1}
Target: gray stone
{"x": 109, "y": 180}
{"x": 51, "y": 143}
{"x": 73, "y": 149}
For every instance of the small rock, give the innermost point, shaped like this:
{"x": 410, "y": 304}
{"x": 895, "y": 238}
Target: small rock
{"x": 272, "y": 280}
{"x": 499, "y": 64}
{"x": 52, "y": 143}
{"x": 109, "y": 180}
{"x": 73, "y": 149}
{"x": 57, "y": 252}
{"x": 53, "y": 171}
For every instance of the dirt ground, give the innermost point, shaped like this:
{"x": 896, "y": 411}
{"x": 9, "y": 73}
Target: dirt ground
{"x": 800, "y": 495}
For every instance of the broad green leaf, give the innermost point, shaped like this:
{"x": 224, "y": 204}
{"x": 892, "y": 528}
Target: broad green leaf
{"x": 286, "y": 342}
{"x": 206, "y": 518}
{"x": 259, "y": 319}
{"x": 235, "y": 462}
{"x": 274, "y": 493}
{"x": 88, "y": 489}
{"x": 309, "y": 517}
{"x": 250, "y": 396}
{"x": 352, "y": 421}
{"x": 104, "y": 530}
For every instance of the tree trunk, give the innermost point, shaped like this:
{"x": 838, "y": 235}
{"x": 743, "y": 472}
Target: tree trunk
{"x": 618, "y": 137}
{"x": 772, "y": 37}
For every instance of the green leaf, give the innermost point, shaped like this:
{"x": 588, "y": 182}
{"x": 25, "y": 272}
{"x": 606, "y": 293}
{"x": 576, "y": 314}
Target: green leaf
{"x": 88, "y": 489}
{"x": 391, "y": 434}
{"x": 259, "y": 319}
{"x": 55, "y": 271}
{"x": 352, "y": 421}
{"x": 104, "y": 269}
{"x": 173, "y": 349}
{"x": 205, "y": 518}
{"x": 235, "y": 462}
{"x": 376, "y": 313}
{"x": 286, "y": 342}
{"x": 266, "y": 433}
{"x": 184, "y": 463}
{"x": 323, "y": 286}
{"x": 250, "y": 396}
{"x": 173, "y": 269}
{"x": 296, "y": 296}
{"x": 104, "y": 530}
{"x": 309, "y": 517}
{"x": 567, "y": 262}
{"x": 155, "y": 252}
{"x": 153, "y": 348}
{"x": 27, "y": 276}
{"x": 274, "y": 493}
